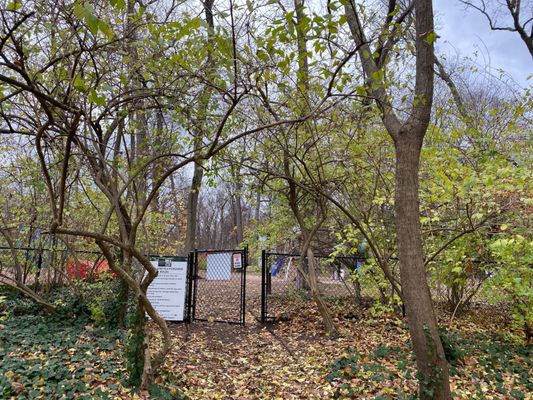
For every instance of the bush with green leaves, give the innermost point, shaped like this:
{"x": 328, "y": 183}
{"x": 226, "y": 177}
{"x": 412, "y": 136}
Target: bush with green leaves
{"x": 12, "y": 303}
{"x": 51, "y": 356}
{"x": 512, "y": 281}
{"x": 501, "y": 367}
{"x": 463, "y": 270}
{"x": 96, "y": 299}
{"x": 453, "y": 350}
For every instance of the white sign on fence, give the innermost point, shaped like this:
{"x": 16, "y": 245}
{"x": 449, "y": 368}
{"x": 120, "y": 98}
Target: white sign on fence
{"x": 237, "y": 260}
{"x": 218, "y": 267}
{"x": 167, "y": 291}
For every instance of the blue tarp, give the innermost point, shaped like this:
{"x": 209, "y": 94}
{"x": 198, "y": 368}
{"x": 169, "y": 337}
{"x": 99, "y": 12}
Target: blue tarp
{"x": 277, "y": 265}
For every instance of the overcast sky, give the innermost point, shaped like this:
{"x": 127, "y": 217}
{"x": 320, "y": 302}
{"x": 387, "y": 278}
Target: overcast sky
{"x": 464, "y": 31}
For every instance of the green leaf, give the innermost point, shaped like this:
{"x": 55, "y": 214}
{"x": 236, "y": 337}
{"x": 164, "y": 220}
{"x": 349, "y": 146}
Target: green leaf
{"x": 377, "y": 75}
{"x": 195, "y": 23}
{"x": 249, "y": 5}
{"x": 92, "y": 23}
{"x": 343, "y": 19}
{"x": 431, "y": 37}
{"x": 105, "y": 29}
{"x": 118, "y": 4}
{"x": 262, "y": 55}
{"x": 79, "y": 84}
{"x": 14, "y": 5}
{"x": 86, "y": 13}
{"x": 95, "y": 98}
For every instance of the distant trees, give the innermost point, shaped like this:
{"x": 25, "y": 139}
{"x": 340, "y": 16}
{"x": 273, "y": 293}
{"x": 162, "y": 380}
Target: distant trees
{"x": 309, "y": 123}
{"x": 199, "y": 126}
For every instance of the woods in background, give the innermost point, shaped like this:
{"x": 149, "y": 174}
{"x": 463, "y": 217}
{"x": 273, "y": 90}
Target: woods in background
{"x": 137, "y": 128}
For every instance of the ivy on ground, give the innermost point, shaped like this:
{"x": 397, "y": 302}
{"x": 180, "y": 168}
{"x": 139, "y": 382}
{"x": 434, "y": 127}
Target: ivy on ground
{"x": 481, "y": 367}
{"x": 66, "y": 356}
{"x": 54, "y": 358}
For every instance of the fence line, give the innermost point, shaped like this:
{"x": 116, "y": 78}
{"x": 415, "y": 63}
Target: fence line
{"x": 281, "y": 281}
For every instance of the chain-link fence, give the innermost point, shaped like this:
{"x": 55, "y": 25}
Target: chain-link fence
{"x": 49, "y": 267}
{"x": 284, "y": 286}
{"x": 215, "y": 285}
{"x": 217, "y": 290}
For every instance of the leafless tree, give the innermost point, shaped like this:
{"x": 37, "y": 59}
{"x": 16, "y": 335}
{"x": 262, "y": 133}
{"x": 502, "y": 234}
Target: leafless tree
{"x": 507, "y": 15}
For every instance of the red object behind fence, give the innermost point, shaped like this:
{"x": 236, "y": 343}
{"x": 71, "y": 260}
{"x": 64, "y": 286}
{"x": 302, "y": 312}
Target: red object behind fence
{"x": 86, "y": 269}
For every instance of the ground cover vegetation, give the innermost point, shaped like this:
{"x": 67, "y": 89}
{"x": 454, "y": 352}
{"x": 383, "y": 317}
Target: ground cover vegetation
{"x": 131, "y": 129}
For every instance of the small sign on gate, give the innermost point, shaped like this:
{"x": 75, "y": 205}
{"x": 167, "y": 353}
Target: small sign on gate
{"x": 237, "y": 261}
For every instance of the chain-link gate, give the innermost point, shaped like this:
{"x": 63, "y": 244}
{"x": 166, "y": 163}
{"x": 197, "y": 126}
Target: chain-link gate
{"x": 219, "y": 285}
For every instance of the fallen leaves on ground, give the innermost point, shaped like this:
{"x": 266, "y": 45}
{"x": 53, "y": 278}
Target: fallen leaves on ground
{"x": 293, "y": 359}
{"x": 370, "y": 359}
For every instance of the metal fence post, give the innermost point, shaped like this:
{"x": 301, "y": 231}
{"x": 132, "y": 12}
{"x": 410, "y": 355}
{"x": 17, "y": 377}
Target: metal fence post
{"x": 190, "y": 277}
{"x": 268, "y": 275}
{"x": 263, "y": 286}
{"x": 243, "y": 280}
{"x": 39, "y": 267}
{"x": 195, "y": 277}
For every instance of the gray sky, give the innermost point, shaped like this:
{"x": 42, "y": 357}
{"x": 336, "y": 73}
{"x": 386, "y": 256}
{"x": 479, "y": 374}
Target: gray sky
{"x": 464, "y": 31}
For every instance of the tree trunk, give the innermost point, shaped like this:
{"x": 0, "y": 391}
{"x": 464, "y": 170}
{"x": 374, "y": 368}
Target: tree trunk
{"x": 200, "y": 131}
{"x": 238, "y": 212}
{"x": 303, "y": 270}
{"x": 357, "y": 291}
{"x": 142, "y": 365}
{"x": 430, "y": 358}
{"x": 322, "y": 307}
{"x": 123, "y": 293}
{"x": 192, "y": 208}
{"x": 126, "y": 261}
{"x": 408, "y": 137}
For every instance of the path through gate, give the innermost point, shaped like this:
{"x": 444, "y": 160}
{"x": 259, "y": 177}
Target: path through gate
{"x": 218, "y": 285}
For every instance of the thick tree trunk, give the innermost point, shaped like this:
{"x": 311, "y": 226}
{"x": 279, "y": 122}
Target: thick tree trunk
{"x": 430, "y": 358}
{"x": 408, "y": 137}
{"x": 200, "y": 131}
{"x": 192, "y": 208}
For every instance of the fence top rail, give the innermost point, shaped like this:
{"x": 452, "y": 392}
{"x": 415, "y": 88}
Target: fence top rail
{"x": 182, "y": 258}
{"x": 49, "y": 249}
{"x": 269, "y": 253}
{"x": 220, "y": 251}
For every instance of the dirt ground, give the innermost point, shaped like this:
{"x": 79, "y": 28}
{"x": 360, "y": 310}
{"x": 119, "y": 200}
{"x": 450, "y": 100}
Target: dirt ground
{"x": 283, "y": 360}
{"x": 293, "y": 359}
{"x": 276, "y": 361}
